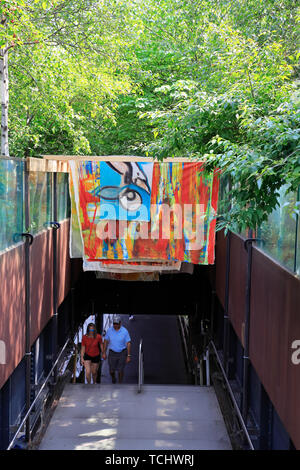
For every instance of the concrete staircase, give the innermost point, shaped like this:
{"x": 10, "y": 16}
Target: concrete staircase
{"x": 116, "y": 417}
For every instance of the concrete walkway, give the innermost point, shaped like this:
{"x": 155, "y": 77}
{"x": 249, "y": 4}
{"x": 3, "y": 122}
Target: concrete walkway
{"x": 107, "y": 416}
{"x": 163, "y": 356}
{"x": 116, "y": 417}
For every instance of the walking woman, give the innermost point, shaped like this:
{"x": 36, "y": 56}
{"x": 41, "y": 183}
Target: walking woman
{"x": 91, "y": 348}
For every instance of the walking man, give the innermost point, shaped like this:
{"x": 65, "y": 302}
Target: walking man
{"x": 119, "y": 341}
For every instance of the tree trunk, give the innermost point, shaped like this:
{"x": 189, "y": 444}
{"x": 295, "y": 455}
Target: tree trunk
{"x": 4, "y": 101}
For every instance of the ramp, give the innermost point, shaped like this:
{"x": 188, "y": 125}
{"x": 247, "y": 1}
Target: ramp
{"x": 116, "y": 417}
{"x": 163, "y": 355}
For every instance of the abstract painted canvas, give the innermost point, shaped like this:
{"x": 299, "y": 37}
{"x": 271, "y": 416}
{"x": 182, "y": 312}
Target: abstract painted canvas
{"x": 120, "y": 190}
{"x": 182, "y": 203}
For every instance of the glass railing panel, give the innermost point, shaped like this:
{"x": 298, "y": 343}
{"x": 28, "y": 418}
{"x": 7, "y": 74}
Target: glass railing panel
{"x": 40, "y": 197}
{"x": 63, "y": 205}
{"x": 11, "y": 201}
{"x": 278, "y": 233}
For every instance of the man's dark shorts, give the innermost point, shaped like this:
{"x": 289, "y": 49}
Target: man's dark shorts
{"x": 117, "y": 360}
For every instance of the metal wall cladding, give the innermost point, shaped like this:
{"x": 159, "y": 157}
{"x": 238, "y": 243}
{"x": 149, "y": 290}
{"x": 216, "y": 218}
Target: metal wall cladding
{"x": 237, "y": 279}
{"x": 41, "y": 288}
{"x": 12, "y": 309}
{"x": 237, "y": 285}
{"x": 274, "y": 325}
{"x": 12, "y": 297}
{"x": 220, "y": 274}
{"x": 63, "y": 262}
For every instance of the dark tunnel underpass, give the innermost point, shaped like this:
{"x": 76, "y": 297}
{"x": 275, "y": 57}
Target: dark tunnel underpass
{"x": 155, "y": 306}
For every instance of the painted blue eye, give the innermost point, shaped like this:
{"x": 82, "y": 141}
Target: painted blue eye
{"x": 110, "y": 192}
{"x": 130, "y": 199}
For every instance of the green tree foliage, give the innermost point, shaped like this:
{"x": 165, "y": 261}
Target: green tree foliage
{"x": 234, "y": 99}
{"x": 67, "y": 64}
{"x": 214, "y": 80}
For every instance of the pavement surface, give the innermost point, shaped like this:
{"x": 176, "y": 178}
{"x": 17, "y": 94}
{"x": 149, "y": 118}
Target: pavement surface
{"x": 168, "y": 414}
{"x": 163, "y": 355}
{"x": 116, "y": 417}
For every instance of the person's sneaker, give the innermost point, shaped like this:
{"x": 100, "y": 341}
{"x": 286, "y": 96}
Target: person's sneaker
{"x": 131, "y": 317}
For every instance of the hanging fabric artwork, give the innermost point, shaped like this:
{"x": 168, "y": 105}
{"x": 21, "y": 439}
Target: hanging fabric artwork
{"x": 133, "y": 213}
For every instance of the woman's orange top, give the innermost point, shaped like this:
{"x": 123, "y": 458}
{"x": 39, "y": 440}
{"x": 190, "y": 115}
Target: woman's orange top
{"x": 92, "y": 345}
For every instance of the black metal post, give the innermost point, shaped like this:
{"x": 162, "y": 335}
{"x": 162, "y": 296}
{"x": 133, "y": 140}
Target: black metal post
{"x": 212, "y": 303}
{"x": 296, "y": 234}
{"x": 20, "y": 196}
{"x": 246, "y": 361}
{"x": 54, "y": 240}
{"x": 28, "y": 242}
{"x": 226, "y": 317}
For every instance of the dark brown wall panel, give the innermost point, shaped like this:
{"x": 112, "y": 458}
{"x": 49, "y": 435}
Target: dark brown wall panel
{"x": 237, "y": 284}
{"x": 237, "y": 278}
{"x": 12, "y": 309}
{"x": 275, "y": 324}
{"x": 41, "y": 272}
{"x": 41, "y": 261}
{"x": 292, "y": 413}
{"x": 220, "y": 266}
{"x": 63, "y": 261}
{"x": 12, "y": 294}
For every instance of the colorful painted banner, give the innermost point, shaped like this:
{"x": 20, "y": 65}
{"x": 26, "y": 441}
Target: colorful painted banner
{"x": 124, "y": 187}
{"x": 183, "y": 206}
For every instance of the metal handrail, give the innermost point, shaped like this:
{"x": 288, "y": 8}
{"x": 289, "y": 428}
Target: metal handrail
{"x": 34, "y": 401}
{"x": 141, "y": 366}
{"x": 236, "y": 407}
{"x": 183, "y": 328}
